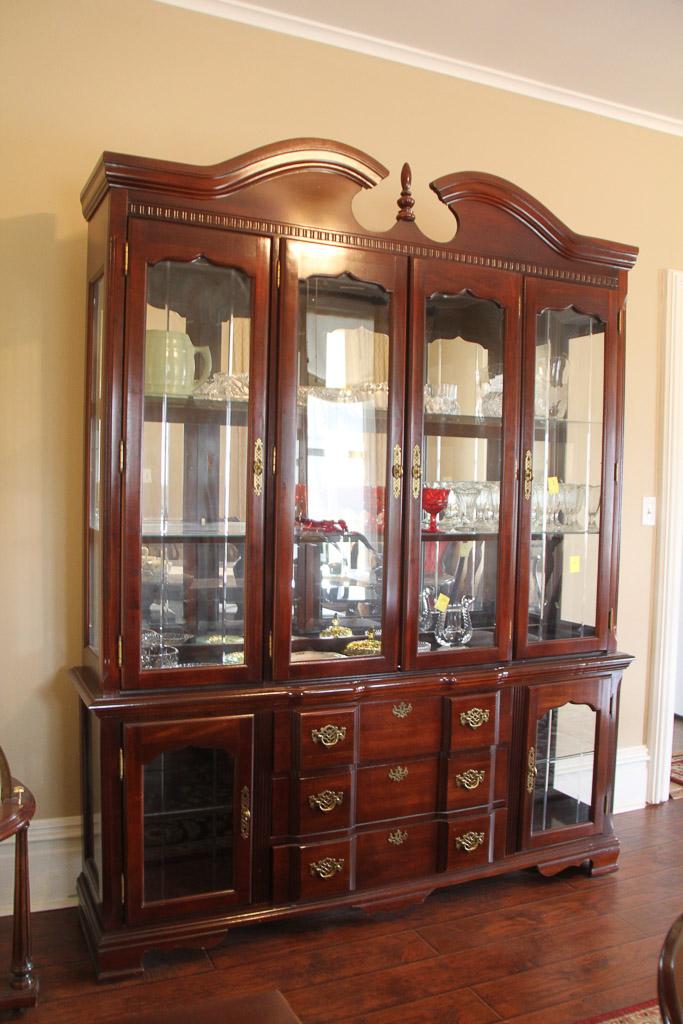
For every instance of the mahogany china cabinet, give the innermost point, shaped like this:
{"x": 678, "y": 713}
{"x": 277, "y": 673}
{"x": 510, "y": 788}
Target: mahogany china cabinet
{"x": 351, "y": 553}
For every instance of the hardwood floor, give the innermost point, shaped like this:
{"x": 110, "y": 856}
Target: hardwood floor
{"x": 518, "y": 948}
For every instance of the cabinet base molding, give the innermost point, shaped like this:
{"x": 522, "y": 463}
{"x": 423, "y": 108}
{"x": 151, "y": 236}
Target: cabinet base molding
{"x": 600, "y": 862}
{"x": 118, "y": 952}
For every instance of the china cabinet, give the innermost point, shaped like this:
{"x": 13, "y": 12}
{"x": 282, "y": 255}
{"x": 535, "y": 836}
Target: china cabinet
{"x": 351, "y": 544}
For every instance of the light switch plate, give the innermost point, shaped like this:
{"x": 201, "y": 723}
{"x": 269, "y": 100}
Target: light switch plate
{"x": 649, "y": 511}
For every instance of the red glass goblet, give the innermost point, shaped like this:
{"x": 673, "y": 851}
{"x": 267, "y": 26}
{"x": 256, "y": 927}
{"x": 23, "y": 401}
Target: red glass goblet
{"x": 434, "y": 500}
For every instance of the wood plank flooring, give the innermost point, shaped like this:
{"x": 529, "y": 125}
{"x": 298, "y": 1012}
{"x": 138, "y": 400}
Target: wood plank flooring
{"x": 518, "y": 948}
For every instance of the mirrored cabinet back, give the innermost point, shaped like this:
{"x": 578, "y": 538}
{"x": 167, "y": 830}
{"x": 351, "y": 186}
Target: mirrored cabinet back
{"x": 351, "y": 544}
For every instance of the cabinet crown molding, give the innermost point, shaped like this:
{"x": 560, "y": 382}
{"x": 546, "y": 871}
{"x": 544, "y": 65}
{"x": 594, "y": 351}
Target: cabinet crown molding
{"x": 216, "y": 181}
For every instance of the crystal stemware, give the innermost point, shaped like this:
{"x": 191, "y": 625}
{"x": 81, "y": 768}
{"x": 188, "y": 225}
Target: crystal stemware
{"x": 434, "y": 500}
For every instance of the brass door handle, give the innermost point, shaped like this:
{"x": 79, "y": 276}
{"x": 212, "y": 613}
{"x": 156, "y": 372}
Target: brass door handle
{"x": 329, "y": 735}
{"x": 416, "y": 471}
{"x": 328, "y": 867}
{"x": 397, "y": 471}
{"x": 528, "y": 473}
{"x": 326, "y": 801}
{"x": 245, "y": 813}
{"x": 532, "y": 770}
{"x": 258, "y": 467}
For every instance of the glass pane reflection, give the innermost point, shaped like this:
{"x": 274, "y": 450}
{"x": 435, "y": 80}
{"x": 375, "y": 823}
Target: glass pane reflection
{"x": 565, "y": 750}
{"x": 461, "y": 472}
{"x": 194, "y": 465}
{"x": 341, "y": 468}
{"x": 567, "y": 459}
{"x": 188, "y": 823}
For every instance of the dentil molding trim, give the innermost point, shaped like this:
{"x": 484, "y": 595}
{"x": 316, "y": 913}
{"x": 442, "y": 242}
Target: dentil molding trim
{"x": 54, "y": 844}
{"x": 304, "y": 28}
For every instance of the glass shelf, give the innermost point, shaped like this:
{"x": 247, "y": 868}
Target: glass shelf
{"x": 462, "y": 534}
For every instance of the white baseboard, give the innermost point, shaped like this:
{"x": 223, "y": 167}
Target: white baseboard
{"x": 54, "y": 857}
{"x": 55, "y": 843}
{"x": 631, "y": 779}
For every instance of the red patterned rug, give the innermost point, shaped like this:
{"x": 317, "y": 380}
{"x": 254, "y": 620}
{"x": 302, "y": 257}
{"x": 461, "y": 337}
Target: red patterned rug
{"x": 677, "y": 769}
{"x": 643, "y": 1013}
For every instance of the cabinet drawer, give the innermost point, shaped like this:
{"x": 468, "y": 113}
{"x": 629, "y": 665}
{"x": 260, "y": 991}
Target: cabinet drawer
{"x": 324, "y": 869}
{"x": 323, "y": 802}
{"x": 477, "y": 777}
{"x": 474, "y": 720}
{"x": 395, "y": 853}
{"x": 326, "y": 737}
{"x": 400, "y": 728}
{"x": 397, "y": 789}
{"x": 475, "y": 840}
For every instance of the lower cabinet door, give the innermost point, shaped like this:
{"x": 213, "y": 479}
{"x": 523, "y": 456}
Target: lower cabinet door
{"x": 188, "y": 800}
{"x": 566, "y": 770}
{"x": 396, "y": 853}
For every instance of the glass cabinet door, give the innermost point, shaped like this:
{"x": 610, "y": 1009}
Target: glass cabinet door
{"x": 464, "y": 394}
{"x": 196, "y": 350}
{"x": 188, "y": 797}
{"x": 566, "y": 760}
{"x": 340, "y": 461}
{"x": 568, "y": 469}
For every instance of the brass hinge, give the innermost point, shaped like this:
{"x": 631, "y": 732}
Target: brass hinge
{"x": 274, "y": 464}
{"x": 119, "y": 652}
{"x": 123, "y": 888}
{"x": 620, "y": 320}
{"x": 616, "y": 472}
{"x": 606, "y": 803}
{"x": 122, "y": 455}
{"x": 120, "y": 765}
{"x": 519, "y": 305}
{"x": 610, "y": 620}
{"x": 611, "y": 706}
{"x": 270, "y": 644}
{"x": 125, "y": 259}
{"x": 278, "y": 274}
{"x": 510, "y": 631}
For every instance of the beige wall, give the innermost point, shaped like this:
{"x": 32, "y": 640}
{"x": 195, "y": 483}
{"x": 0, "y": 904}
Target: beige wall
{"x": 80, "y": 76}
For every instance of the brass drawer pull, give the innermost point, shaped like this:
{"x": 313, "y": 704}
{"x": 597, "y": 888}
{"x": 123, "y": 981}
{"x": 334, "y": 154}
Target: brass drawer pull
{"x": 245, "y": 813}
{"x": 397, "y": 837}
{"x": 470, "y": 779}
{"x": 326, "y": 801}
{"x": 402, "y": 710}
{"x": 532, "y": 770}
{"x": 329, "y": 735}
{"x": 398, "y": 774}
{"x": 475, "y": 717}
{"x": 258, "y": 467}
{"x": 469, "y": 841}
{"x": 328, "y": 867}
{"x": 397, "y": 471}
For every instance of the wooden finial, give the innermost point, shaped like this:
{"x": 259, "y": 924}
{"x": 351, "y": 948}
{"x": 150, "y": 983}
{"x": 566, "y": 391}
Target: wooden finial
{"x": 406, "y": 201}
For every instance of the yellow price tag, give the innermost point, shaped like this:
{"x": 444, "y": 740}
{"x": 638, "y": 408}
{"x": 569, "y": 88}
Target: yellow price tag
{"x": 553, "y": 485}
{"x": 442, "y": 602}
{"x": 575, "y": 563}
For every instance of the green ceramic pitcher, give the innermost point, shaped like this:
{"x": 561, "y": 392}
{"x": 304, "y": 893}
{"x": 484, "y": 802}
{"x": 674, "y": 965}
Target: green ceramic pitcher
{"x": 170, "y": 363}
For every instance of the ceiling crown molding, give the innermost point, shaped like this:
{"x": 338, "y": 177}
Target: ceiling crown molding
{"x": 304, "y": 28}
